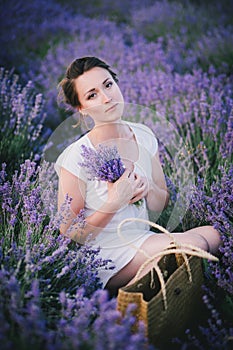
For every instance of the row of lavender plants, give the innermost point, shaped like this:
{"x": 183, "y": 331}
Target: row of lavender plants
{"x": 174, "y": 60}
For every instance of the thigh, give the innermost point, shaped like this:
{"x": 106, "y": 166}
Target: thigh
{"x": 153, "y": 245}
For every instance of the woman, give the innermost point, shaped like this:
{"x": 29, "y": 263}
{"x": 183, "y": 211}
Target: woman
{"x": 91, "y": 87}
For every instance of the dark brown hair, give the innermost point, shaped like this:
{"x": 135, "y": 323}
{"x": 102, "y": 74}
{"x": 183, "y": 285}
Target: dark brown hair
{"x": 74, "y": 70}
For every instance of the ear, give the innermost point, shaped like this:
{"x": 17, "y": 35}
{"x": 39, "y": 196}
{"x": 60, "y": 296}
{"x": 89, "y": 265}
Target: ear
{"x": 80, "y": 110}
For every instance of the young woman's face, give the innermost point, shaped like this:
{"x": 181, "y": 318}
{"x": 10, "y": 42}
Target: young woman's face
{"x": 99, "y": 95}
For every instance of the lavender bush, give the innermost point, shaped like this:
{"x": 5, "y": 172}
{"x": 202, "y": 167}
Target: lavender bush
{"x": 29, "y": 230}
{"x": 48, "y": 282}
{"x": 22, "y": 118}
{"x": 118, "y": 11}
{"x": 216, "y": 334}
{"x": 28, "y": 30}
{"x": 176, "y": 59}
{"x": 79, "y": 322}
{"x": 166, "y": 91}
{"x": 216, "y": 207}
{"x": 200, "y": 35}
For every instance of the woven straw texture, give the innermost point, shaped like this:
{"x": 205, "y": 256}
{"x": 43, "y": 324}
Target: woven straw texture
{"x": 183, "y": 298}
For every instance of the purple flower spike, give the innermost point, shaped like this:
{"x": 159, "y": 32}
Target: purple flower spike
{"x": 103, "y": 164}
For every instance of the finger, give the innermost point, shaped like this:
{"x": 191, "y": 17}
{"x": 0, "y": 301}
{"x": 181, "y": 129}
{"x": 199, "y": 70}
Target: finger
{"x": 127, "y": 173}
{"x": 138, "y": 194}
{"x": 140, "y": 181}
{"x": 135, "y": 199}
{"x": 139, "y": 187}
{"x": 140, "y": 184}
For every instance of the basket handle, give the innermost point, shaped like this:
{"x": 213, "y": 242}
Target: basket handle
{"x": 174, "y": 248}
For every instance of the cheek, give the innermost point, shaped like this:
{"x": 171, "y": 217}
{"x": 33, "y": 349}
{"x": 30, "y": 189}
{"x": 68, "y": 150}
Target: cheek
{"x": 91, "y": 104}
{"x": 94, "y": 108}
{"x": 119, "y": 94}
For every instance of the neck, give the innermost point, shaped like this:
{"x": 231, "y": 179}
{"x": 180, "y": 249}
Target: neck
{"x": 108, "y": 131}
{"x": 116, "y": 129}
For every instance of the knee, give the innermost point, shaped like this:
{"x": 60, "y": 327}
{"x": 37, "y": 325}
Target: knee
{"x": 213, "y": 233}
{"x": 200, "y": 241}
{"x": 212, "y": 236}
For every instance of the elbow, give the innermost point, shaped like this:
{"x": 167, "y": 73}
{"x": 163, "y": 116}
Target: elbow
{"x": 167, "y": 198}
{"x": 77, "y": 234}
{"x": 159, "y": 204}
{"x": 74, "y": 235}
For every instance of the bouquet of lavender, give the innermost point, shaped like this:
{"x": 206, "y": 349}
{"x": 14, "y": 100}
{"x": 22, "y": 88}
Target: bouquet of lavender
{"x": 103, "y": 164}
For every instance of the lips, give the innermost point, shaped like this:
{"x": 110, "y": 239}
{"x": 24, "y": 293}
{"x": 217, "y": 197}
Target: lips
{"x": 111, "y": 108}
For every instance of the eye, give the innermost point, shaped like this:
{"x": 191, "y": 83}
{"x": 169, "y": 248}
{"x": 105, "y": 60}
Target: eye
{"x": 109, "y": 84}
{"x": 91, "y": 96}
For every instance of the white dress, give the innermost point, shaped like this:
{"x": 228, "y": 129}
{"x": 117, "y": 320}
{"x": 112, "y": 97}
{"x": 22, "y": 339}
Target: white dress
{"x": 112, "y": 246}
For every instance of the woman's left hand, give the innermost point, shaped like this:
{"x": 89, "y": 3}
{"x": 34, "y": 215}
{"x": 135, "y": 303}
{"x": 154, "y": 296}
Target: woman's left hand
{"x": 142, "y": 188}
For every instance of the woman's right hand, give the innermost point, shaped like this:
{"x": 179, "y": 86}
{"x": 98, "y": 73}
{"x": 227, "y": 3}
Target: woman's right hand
{"x": 121, "y": 192}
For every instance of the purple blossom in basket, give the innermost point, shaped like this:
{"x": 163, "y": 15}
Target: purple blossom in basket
{"x": 102, "y": 164}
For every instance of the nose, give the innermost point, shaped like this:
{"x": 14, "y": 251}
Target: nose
{"x": 105, "y": 97}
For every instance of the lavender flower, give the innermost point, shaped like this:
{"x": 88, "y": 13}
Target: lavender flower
{"x": 77, "y": 225}
{"x": 46, "y": 280}
{"x": 214, "y": 333}
{"x": 216, "y": 208}
{"x": 22, "y": 118}
{"x": 103, "y": 164}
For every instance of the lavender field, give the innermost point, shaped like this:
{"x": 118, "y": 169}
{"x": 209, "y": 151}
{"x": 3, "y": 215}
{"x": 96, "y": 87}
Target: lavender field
{"x": 174, "y": 59}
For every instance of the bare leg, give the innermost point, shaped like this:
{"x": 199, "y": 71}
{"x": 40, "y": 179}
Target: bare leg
{"x": 204, "y": 237}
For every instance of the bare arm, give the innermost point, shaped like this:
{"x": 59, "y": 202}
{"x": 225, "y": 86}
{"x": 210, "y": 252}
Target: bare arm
{"x": 154, "y": 190}
{"x": 119, "y": 194}
{"x": 157, "y": 197}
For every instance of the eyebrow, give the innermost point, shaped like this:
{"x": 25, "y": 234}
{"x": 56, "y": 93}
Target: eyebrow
{"x": 94, "y": 88}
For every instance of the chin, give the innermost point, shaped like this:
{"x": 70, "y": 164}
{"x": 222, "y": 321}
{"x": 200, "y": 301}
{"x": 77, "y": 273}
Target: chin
{"x": 114, "y": 118}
